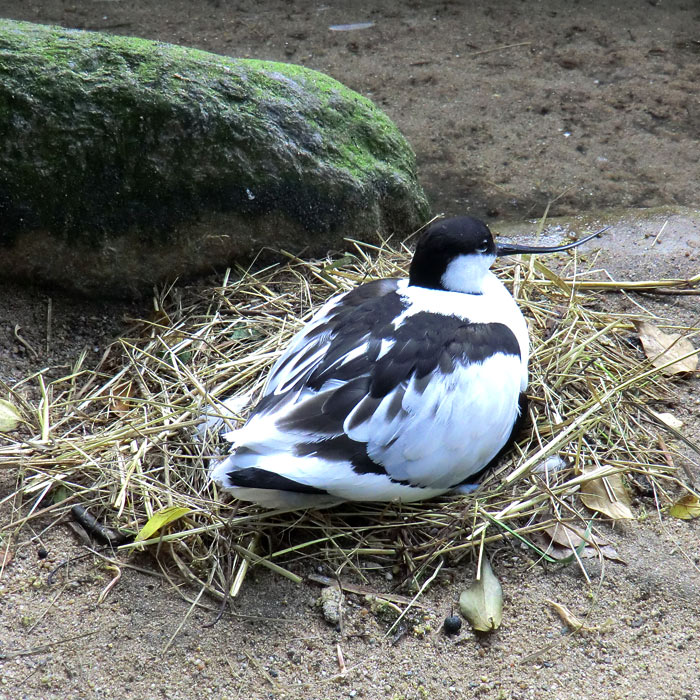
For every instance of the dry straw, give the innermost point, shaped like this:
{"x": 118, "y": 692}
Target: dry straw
{"x": 121, "y": 440}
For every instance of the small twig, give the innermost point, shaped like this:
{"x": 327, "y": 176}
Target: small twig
{"x": 664, "y": 286}
{"x": 425, "y": 585}
{"x": 49, "y": 318}
{"x": 183, "y": 78}
{"x": 658, "y": 235}
{"x": 247, "y": 554}
{"x": 105, "y": 591}
{"x": 263, "y": 672}
{"x": 46, "y": 610}
{"x": 341, "y": 661}
{"x": 184, "y": 619}
{"x": 18, "y": 328}
{"x": 227, "y": 588}
{"x": 63, "y": 565}
{"x": 665, "y": 452}
{"x": 43, "y": 648}
{"x": 499, "y": 48}
{"x": 677, "y": 434}
{"x": 97, "y": 529}
{"x": 361, "y": 590}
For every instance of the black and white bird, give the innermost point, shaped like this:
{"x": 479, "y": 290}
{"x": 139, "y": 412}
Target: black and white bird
{"x": 398, "y": 390}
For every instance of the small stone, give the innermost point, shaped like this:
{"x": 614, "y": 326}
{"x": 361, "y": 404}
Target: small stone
{"x": 452, "y": 624}
{"x": 42, "y": 553}
{"x": 330, "y": 601}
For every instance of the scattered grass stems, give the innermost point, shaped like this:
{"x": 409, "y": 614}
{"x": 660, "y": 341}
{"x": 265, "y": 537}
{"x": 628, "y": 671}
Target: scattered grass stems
{"x": 126, "y": 439}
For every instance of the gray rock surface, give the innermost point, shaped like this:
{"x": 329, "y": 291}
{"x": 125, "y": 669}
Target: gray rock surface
{"x": 126, "y": 162}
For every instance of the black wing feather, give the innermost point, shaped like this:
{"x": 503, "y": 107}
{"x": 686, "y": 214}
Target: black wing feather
{"x": 426, "y": 342}
{"x": 423, "y": 344}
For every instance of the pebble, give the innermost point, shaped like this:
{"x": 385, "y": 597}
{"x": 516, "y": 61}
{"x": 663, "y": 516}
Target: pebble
{"x": 330, "y": 602}
{"x": 452, "y": 624}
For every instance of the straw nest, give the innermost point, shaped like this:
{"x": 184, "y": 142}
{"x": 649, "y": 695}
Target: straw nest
{"x": 122, "y": 440}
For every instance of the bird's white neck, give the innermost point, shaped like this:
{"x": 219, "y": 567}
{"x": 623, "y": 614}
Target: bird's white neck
{"x": 466, "y": 273}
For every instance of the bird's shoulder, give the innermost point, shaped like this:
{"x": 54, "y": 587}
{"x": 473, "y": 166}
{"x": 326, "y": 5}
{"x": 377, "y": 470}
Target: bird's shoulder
{"x": 339, "y": 327}
{"x": 427, "y": 345}
{"x": 370, "y": 305}
{"x": 383, "y": 334}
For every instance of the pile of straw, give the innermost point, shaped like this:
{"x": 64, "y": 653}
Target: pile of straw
{"x": 121, "y": 440}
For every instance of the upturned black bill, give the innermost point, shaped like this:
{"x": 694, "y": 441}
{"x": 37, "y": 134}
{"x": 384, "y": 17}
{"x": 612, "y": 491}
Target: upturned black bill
{"x": 514, "y": 248}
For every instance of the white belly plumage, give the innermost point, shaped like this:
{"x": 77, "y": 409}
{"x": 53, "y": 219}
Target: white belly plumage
{"x": 452, "y": 429}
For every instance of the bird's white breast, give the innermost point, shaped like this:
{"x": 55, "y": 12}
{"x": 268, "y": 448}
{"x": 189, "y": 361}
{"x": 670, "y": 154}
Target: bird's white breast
{"x": 494, "y": 305}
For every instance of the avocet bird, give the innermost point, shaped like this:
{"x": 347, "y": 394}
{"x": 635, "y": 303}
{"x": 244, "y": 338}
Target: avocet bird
{"x": 398, "y": 390}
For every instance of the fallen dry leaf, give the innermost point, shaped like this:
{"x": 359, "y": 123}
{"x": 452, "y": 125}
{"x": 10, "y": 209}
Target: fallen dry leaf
{"x": 10, "y": 417}
{"x": 567, "y": 617}
{"x": 662, "y": 348}
{"x": 121, "y": 394}
{"x": 686, "y": 508}
{"x": 667, "y": 419}
{"x": 6, "y": 557}
{"x": 567, "y": 535}
{"x": 482, "y": 602}
{"x": 607, "y": 550}
{"x": 608, "y": 496}
{"x": 574, "y": 623}
{"x": 564, "y": 539}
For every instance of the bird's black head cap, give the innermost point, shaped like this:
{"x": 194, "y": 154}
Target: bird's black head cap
{"x": 444, "y": 241}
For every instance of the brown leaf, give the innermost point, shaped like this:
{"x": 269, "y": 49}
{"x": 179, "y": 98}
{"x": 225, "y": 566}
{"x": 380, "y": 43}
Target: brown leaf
{"x": 567, "y": 535}
{"x": 121, "y": 394}
{"x": 6, "y": 557}
{"x": 662, "y": 348}
{"x": 565, "y": 538}
{"x": 609, "y": 552}
{"x": 608, "y": 496}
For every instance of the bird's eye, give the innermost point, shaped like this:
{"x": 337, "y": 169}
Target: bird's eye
{"x": 483, "y": 247}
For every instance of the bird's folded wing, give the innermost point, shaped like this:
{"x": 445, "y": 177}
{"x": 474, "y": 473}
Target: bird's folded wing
{"x": 340, "y": 325}
{"x": 419, "y": 402}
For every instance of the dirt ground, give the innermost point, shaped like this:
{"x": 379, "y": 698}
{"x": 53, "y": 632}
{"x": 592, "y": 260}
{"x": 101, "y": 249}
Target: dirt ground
{"x": 508, "y": 107}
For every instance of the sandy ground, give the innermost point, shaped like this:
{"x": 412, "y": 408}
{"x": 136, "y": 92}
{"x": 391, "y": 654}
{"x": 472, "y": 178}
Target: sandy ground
{"x": 507, "y": 107}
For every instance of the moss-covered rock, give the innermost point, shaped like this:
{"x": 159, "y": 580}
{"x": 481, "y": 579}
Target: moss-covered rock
{"x": 125, "y": 162}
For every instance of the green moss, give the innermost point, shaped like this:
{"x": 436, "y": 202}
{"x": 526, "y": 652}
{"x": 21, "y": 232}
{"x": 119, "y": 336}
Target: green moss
{"x": 102, "y": 134}
{"x": 186, "y": 73}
